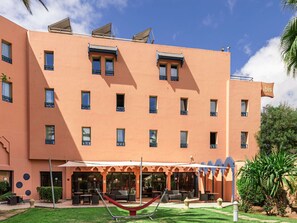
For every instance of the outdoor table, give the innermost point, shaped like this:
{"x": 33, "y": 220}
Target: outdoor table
{"x": 211, "y": 196}
{"x": 86, "y": 198}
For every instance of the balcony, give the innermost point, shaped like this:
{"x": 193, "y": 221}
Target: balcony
{"x": 6, "y": 59}
{"x": 183, "y": 112}
{"x": 161, "y": 77}
{"x": 184, "y": 145}
{"x": 86, "y": 107}
{"x": 50, "y": 141}
{"x": 213, "y": 146}
{"x": 174, "y": 78}
{"x": 6, "y": 98}
{"x": 120, "y": 143}
{"x": 153, "y": 110}
{"x": 153, "y": 144}
{"x": 49, "y": 104}
{"x": 96, "y": 71}
{"x": 213, "y": 114}
{"x": 244, "y": 114}
{"x": 244, "y": 145}
{"x": 86, "y": 143}
{"x": 120, "y": 109}
{"x": 49, "y": 67}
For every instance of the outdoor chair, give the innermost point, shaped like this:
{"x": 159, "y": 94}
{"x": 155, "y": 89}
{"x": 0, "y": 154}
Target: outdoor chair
{"x": 76, "y": 199}
{"x": 191, "y": 194}
{"x": 12, "y": 200}
{"x": 95, "y": 199}
{"x": 174, "y": 195}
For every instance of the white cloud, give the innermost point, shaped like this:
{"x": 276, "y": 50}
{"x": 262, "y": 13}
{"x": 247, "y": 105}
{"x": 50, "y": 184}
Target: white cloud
{"x": 267, "y": 66}
{"x": 83, "y": 14}
{"x": 210, "y": 21}
{"x": 244, "y": 45}
{"x": 247, "y": 49}
{"x": 231, "y": 4}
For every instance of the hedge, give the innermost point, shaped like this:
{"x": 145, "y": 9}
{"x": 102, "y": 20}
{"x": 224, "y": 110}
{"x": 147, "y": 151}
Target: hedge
{"x": 45, "y": 193}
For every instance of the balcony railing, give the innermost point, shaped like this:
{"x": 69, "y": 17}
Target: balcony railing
{"x": 184, "y": 145}
{"x": 184, "y": 112}
{"x": 86, "y": 143}
{"x": 213, "y": 114}
{"x": 162, "y": 77}
{"x": 96, "y": 71}
{"x": 49, "y": 104}
{"x": 153, "y": 144}
{"x": 174, "y": 78}
{"x": 244, "y": 114}
{"x": 109, "y": 72}
{"x": 6, "y": 59}
{"x": 120, "y": 109}
{"x": 86, "y": 107}
{"x": 6, "y": 98}
{"x": 120, "y": 143}
{"x": 244, "y": 145}
{"x": 213, "y": 146}
{"x": 153, "y": 110}
{"x": 50, "y": 141}
{"x": 242, "y": 78}
{"x": 49, "y": 67}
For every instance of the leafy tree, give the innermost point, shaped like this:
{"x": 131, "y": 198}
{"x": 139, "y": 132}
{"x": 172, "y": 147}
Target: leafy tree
{"x": 278, "y": 129}
{"x": 289, "y": 40}
{"x": 27, "y": 4}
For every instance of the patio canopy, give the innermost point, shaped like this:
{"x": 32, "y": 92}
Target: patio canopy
{"x": 134, "y": 163}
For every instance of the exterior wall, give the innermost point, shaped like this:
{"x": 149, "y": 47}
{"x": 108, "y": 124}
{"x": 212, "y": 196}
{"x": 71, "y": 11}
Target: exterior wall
{"x": 14, "y": 132}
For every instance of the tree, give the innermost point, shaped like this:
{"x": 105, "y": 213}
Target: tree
{"x": 289, "y": 40}
{"x": 27, "y": 4}
{"x": 278, "y": 129}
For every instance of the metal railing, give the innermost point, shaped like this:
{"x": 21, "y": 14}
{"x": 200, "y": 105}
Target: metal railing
{"x": 241, "y": 78}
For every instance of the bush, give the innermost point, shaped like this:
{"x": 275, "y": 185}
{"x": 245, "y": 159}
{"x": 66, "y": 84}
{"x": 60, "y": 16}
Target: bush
{"x": 45, "y": 193}
{"x": 5, "y": 196}
{"x": 244, "y": 206}
{"x": 4, "y": 187}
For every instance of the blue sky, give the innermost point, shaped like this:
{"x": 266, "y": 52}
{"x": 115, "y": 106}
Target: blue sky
{"x": 250, "y": 27}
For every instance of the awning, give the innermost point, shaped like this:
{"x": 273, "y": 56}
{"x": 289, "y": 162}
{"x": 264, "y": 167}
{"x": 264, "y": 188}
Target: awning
{"x": 63, "y": 26}
{"x": 170, "y": 56}
{"x": 103, "y": 49}
{"x": 133, "y": 163}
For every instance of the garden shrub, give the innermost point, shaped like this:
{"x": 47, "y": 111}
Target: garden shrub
{"x": 45, "y": 193}
{"x": 4, "y": 187}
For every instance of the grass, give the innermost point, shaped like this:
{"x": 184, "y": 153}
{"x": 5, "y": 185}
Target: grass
{"x": 99, "y": 214}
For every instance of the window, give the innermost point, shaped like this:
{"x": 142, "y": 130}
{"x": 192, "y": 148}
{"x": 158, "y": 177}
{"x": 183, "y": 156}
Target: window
{"x": 6, "y": 91}
{"x": 183, "y": 139}
{"x": 86, "y": 136}
{"x": 153, "y": 138}
{"x": 244, "y": 108}
{"x": 120, "y": 103}
{"x": 163, "y": 75}
{"x": 213, "y": 140}
{"x": 49, "y": 134}
{"x": 109, "y": 68}
{"x": 6, "y": 52}
{"x": 49, "y": 60}
{"x": 45, "y": 179}
{"x": 213, "y": 107}
{"x": 174, "y": 73}
{"x": 183, "y": 106}
{"x": 120, "y": 137}
{"x": 153, "y": 104}
{"x": 49, "y": 98}
{"x": 85, "y": 100}
{"x": 244, "y": 140}
{"x": 96, "y": 66}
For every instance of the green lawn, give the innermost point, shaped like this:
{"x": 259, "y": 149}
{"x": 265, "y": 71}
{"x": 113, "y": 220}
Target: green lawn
{"x": 164, "y": 215}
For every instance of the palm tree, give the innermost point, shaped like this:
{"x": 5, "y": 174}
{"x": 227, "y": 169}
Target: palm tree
{"x": 27, "y": 3}
{"x": 289, "y": 40}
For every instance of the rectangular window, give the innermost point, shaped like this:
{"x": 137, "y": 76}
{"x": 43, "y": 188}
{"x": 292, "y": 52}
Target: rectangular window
{"x": 49, "y": 134}
{"x": 45, "y": 179}
{"x": 6, "y": 52}
{"x": 174, "y": 73}
{"x": 183, "y": 106}
{"x": 109, "y": 67}
{"x": 120, "y": 137}
{"x": 183, "y": 139}
{"x": 120, "y": 103}
{"x": 213, "y": 140}
{"x": 244, "y": 140}
{"x": 85, "y": 100}
{"x": 96, "y": 66}
{"x": 153, "y": 104}
{"x": 153, "y": 138}
{"x": 86, "y": 136}
{"x": 244, "y": 108}
{"x": 213, "y": 107}
{"x": 48, "y": 60}
{"x": 49, "y": 98}
{"x": 6, "y": 91}
{"x": 163, "y": 73}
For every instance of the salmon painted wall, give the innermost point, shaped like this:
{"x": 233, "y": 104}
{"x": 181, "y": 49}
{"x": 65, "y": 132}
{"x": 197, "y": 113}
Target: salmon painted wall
{"x": 202, "y": 77}
{"x": 14, "y": 116}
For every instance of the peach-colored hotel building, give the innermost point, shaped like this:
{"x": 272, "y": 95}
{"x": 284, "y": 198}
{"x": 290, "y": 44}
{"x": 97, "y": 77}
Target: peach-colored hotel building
{"x": 69, "y": 97}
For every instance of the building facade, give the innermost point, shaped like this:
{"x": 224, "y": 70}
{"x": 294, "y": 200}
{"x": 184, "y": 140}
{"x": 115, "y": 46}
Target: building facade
{"x": 69, "y": 97}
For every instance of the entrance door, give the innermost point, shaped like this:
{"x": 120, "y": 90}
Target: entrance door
{"x": 86, "y": 182}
